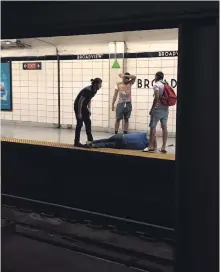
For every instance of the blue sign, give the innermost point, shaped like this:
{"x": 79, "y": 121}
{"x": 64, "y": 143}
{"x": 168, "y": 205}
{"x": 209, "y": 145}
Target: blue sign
{"x": 5, "y": 86}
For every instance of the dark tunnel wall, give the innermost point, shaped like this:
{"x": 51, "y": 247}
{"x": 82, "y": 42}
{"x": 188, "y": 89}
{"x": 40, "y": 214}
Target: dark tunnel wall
{"x": 127, "y": 186}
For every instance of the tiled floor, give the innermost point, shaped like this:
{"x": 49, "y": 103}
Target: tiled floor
{"x": 58, "y": 135}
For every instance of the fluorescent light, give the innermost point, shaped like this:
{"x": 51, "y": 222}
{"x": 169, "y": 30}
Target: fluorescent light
{"x": 9, "y": 41}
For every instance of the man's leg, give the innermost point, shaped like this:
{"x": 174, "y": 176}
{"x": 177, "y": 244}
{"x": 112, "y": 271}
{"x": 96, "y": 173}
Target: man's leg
{"x": 119, "y": 116}
{"x": 152, "y": 138}
{"x": 117, "y": 125}
{"x": 164, "y": 129}
{"x": 165, "y": 135}
{"x": 114, "y": 141}
{"x": 88, "y": 126}
{"x": 79, "y": 124}
{"x": 126, "y": 125}
{"x": 101, "y": 141}
{"x": 103, "y": 144}
{"x": 155, "y": 142}
{"x": 127, "y": 115}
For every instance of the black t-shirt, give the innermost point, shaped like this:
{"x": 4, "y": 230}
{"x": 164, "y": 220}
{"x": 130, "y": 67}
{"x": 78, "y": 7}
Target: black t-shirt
{"x": 87, "y": 93}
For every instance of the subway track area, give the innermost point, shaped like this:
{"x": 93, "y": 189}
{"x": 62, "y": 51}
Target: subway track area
{"x": 116, "y": 184}
{"x": 73, "y": 204}
{"x": 127, "y": 244}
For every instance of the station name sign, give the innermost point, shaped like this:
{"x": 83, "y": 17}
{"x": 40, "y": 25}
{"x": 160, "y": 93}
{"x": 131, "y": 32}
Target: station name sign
{"x": 146, "y": 83}
{"x": 89, "y": 56}
{"x": 168, "y": 54}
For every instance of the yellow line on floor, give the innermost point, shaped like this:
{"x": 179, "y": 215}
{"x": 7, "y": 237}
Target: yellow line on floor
{"x": 103, "y": 150}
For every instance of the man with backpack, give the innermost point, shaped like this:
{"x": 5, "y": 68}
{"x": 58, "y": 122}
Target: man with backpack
{"x": 164, "y": 96}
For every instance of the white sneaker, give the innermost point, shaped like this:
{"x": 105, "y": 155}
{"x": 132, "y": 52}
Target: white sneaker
{"x": 149, "y": 150}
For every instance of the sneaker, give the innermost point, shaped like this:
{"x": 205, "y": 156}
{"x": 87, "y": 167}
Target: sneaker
{"x": 88, "y": 144}
{"x": 149, "y": 150}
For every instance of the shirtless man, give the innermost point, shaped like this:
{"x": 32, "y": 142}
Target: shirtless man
{"x": 124, "y": 106}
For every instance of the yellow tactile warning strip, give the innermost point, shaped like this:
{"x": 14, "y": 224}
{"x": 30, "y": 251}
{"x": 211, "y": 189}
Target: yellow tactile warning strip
{"x": 103, "y": 150}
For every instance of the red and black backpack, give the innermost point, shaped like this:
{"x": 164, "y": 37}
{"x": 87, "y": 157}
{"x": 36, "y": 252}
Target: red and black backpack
{"x": 168, "y": 97}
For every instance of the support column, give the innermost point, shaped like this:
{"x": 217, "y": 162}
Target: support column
{"x": 197, "y": 148}
{"x": 116, "y": 52}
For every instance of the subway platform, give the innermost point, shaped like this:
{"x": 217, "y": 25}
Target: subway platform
{"x": 64, "y": 138}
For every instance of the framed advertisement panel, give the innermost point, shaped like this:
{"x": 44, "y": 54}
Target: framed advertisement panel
{"x": 6, "y": 86}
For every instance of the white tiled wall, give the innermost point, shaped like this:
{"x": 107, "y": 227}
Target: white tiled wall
{"x": 34, "y": 94}
{"x": 75, "y": 75}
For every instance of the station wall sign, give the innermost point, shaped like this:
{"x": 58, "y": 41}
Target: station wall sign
{"x": 147, "y": 83}
{"x": 32, "y": 65}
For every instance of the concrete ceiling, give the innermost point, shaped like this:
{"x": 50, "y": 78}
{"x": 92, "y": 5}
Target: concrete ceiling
{"x": 130, "y": 36}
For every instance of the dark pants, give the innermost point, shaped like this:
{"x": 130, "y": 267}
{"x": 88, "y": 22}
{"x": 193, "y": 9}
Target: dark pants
{"x": 116, "y": 141}
{"x": 79, "y": 123}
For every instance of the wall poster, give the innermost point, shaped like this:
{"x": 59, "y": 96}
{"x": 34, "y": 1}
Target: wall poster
{"x": 6, "y": 86}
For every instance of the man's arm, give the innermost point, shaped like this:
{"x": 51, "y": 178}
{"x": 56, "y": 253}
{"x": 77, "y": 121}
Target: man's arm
{"x": 156, "y": 98}
{"x": 89, "y": 105}
{"x": 114, "y": 98}
{"x": 131, "y": 77}
{"x": 80, "y": 103}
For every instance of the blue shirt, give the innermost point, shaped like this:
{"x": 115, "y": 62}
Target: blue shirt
{"x": 135, "y": 141}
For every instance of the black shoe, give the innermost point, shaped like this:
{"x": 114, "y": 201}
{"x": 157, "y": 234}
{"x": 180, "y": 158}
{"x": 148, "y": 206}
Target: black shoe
{"x": 78, "y": 145}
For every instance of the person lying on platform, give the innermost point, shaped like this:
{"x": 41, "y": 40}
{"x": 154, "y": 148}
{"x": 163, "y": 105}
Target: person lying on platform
{"x": 133, "y": 141}
{"x": 82, "y": 108}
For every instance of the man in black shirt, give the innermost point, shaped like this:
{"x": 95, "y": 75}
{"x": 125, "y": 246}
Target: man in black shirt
{"x": 82, "y": 107}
